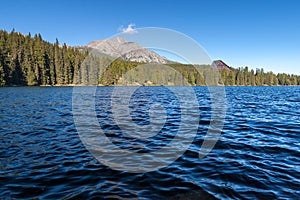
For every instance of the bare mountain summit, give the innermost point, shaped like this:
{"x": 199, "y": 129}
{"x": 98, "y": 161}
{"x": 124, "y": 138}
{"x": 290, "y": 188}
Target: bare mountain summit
{"x": 220, "y": 64}
{"x": 119, "y": 47}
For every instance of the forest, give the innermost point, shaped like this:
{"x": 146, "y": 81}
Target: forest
{"x": 27, "y": 60}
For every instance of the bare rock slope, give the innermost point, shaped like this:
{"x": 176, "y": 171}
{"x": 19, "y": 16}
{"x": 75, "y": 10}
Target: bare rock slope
{"x": 119, "y": 47}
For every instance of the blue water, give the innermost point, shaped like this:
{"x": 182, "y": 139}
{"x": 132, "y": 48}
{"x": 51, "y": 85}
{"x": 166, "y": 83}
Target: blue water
{"x": 256, "y": 157}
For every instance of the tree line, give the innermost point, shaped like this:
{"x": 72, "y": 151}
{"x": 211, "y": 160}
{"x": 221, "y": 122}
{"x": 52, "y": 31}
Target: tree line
{"x": 245, "y": 76}
{"x": 30, "y": 60}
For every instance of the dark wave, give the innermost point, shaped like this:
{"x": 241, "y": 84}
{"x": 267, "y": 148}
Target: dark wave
{"x": 256, "y": 157}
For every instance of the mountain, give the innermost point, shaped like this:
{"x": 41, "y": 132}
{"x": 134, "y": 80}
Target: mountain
{"x": 219, "y": 64}
{"x": 119, "y": 47}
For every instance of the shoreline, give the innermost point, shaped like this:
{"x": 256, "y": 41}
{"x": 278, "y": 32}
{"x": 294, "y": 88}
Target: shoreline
{"x": 81, "y": 85}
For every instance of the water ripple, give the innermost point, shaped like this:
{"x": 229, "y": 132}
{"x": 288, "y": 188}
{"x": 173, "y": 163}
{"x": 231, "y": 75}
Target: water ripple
{"x": 256, "y": 157}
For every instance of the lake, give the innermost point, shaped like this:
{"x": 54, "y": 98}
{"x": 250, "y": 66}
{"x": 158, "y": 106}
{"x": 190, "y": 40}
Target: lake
{"x": 42, "y": 155}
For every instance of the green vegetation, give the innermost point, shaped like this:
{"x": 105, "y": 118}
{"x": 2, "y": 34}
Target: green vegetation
{"x": 26, "y": 60}
{"x": 244, "y": 76}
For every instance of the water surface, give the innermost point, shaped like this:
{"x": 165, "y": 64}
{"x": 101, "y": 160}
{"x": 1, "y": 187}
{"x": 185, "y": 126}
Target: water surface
{"x": 257, "y": 156}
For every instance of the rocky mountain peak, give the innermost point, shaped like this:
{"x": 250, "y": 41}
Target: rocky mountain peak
{"x": 119, "y": 47}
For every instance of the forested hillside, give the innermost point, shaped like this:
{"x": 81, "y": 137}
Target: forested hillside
{"x": 29, "y": 60}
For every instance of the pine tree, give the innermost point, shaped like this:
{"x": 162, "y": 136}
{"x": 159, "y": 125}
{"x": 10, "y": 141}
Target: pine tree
{"x": 2, "y": 76}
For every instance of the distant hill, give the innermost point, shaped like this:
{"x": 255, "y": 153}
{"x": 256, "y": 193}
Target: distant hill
{"x": 220, "y": 65}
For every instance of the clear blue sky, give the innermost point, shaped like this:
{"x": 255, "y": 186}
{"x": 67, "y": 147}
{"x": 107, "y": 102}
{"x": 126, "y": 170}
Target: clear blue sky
{"x": 256, "y": 33}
